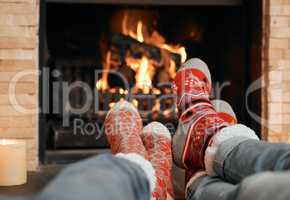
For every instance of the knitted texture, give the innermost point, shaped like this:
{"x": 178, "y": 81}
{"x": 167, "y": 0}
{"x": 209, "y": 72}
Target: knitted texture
{"x": 157, "y": 141}
{"x": 123, "y": 126}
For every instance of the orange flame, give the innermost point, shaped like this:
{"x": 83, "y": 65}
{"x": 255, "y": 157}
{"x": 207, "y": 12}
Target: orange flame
{"x": 102, "y": 84}
{"x": 136, "y": 34}
{"x": 172, "y": 69}
{"x": 140, "y": 37}
{"x": 135, "y": 103}
{"x": 144, "y": 72}
{"x": 143, "y": 78}
{"x": 155, "y": 39}
{"x": 144, "y": 67}
{"x": 176, "y": 49}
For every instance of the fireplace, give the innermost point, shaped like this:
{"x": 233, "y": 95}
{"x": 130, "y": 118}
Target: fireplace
{"x": 94, "y": 53}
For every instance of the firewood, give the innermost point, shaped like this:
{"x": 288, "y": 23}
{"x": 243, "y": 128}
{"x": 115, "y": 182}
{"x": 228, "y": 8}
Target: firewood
{"x": 122, "y": 45}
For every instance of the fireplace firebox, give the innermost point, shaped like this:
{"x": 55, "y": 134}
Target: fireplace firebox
{"x": 94, "y": 53}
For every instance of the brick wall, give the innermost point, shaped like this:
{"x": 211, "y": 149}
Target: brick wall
{"x": 18, "y": 52}
{"x": 277, "y": 69}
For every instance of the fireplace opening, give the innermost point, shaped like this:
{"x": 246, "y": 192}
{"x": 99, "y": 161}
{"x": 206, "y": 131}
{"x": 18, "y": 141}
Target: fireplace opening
{"x": 133, "y": 52}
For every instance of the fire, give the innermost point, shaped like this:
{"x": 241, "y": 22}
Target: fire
{"x": 138, "y": 34}
{"x": 135, "y": 103}
{"x": 172, "y": 69}
{"x": 144, "y": 72}
{"x": 144, "y": 67}
{"x": 143, "y": 77}
{"x": 102, "y": 84}
{"x": 140, "y": 37}
{"x": 122, "y": 91}
{"x": 176, "y": 49}
{"x": 155, "y": 39}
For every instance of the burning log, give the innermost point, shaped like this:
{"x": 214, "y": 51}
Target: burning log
{"x": 122, "y": 45}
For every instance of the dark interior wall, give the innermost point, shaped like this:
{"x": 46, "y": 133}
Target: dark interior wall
{"x": 255, "y": 36}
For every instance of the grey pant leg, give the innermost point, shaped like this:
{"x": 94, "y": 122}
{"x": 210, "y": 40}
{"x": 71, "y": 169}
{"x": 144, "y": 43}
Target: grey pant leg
{"x": 104, "y": 177}
{"x": 262, "y": 186}
{"x": 209, "y": 188}
{"x": 238, "y": 158}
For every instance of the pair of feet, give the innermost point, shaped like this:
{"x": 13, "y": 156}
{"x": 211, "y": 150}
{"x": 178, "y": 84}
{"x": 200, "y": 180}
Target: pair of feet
{"x": 126, "y": 135}
{"x": 199, "y": 120}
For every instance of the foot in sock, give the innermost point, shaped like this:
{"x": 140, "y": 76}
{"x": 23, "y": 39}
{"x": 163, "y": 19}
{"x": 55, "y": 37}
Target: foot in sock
{"x": 225, "y": 111}
{"x": 192, "y": 83}
{"x": 198, "y": 120}
{"x": 157, "y": 141}
{"x": 123, "y": 126}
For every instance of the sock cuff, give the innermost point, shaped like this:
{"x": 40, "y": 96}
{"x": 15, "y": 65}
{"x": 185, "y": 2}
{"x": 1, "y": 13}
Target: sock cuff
{"x": 156, "y": 128}
{"x": 223, "y": 135}
{"x": 144, "y": 164}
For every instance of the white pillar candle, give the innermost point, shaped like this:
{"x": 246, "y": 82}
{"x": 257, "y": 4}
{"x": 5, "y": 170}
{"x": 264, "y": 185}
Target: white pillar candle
{"x": 13, "y": 169}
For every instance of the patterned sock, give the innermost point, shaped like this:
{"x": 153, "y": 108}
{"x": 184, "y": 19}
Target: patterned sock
{"x": 157, "y": 141}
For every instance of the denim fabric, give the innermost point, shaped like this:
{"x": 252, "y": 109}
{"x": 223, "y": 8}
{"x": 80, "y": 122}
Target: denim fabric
{"x": 260, "y": 170}
{"x": 238, "y": 158}
{"x": 210, "y": 188}
{"x": 261, "y": 186}
{"x": 103, "y": 177}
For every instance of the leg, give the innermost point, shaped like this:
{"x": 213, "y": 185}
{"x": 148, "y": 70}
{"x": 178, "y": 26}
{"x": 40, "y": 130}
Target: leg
{"x": 202, "y": 132}
{"x": 239, "y": 153}
{"x": 239, "y": 157}
{"x": 208, "y": 188}
{"x": 199, "y": 119}
{"x": 262, "y": 186}
{"x": 104, "y": 177}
